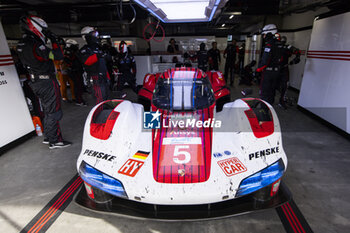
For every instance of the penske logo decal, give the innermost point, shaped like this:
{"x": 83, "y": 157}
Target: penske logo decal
{"x": 131, "y": 167}
{"x": 99, "y": 155}
{"x": 232, "y": 166}
{"x": 263, "y": 153}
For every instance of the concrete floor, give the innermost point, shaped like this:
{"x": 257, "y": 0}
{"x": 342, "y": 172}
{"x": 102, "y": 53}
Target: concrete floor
{"x": 317, "y": 175}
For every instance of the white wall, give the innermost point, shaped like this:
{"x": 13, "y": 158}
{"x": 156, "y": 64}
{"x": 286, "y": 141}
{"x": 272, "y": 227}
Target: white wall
{"x": 15, "y": 119}
{"x": 326, "y": 82}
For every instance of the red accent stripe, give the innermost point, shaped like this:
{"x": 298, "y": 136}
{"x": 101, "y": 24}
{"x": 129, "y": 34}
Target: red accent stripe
{"x": 1, "y": 60}
{"x": 330, "y": 58}
{"x": 6, "y": 55}
{"x": 293, "y": 215}
{"x": 327, "y": 51}
{"x": 288, "y": 218}
{"x": 328, "y": 55}
{"x": 7, "y": 64}
{"x": 48, "y": 214}
{"x": 91, "y": 60}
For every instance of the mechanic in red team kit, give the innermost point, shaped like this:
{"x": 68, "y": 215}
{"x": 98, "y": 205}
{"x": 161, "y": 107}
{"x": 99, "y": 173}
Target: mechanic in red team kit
{"x": 288, "y": 51}
{"x": 36, "y": 57}
{"x": 94, "y": 62}
{"x": 269, "y": 64}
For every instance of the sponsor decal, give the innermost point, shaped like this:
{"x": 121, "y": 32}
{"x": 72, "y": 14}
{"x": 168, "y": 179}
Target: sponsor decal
{"x": 2, "y": 73}
{"x": 131, "y": 167}
{"x": 151, "y": 120}
{"x": 232, "y": 166}
{"x": 3, "y": 82}
{"x": 99, "y": 155}
{"x": 217, "y": 155}
{"x": 263, "y": 153}
{"x": 89, "y": 190}
{"x": 141, "y": 155}
{"x": 226, "y": 152}
{"x": 181, "y": 150}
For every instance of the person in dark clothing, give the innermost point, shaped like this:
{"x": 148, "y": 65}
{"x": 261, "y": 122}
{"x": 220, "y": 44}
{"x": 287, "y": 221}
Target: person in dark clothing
{"x": 241, "y": 54}
{"x": 172, "y": 47}
{"x": 230, "y": 54}
{"x": 94, "y": 62}
{"x": 202, "y": 57}
{"x": 214, "y": 57}
{"x": 35, "y": 56}
{"x": 127, "y": 67}
{"x": 111, "y": 55}
{"x": 269, "y": 64}
{"x": 247, "y": 74}
{"x": 287, "y": 52}
{"x": 75, "y": 70}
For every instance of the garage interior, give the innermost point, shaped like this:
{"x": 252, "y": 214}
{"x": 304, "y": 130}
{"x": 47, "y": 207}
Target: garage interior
{"x": 38, "y": 185}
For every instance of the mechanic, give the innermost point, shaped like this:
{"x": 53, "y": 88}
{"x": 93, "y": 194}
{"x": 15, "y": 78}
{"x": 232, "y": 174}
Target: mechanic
{"x": 111, "y": 55}
{"x": 127, "y": 68}
{"x": 214, "y": 57}
{"x": 269, "y": 64}
{"x": 202, "y": 57}
{"x": 230, "y": 55}
{"x": 35, "y": 56}
{"x": 241, "y": 54}
{"x": 74, "y": 70}
{"x": 94, "y": 62}
{"x": 288, "y": 51}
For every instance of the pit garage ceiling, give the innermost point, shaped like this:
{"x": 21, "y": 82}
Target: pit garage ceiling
{"x": 234, "y": 18}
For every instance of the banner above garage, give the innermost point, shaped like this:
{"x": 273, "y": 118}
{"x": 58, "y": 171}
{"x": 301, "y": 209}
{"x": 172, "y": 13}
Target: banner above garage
{"x": 182, "y": 11}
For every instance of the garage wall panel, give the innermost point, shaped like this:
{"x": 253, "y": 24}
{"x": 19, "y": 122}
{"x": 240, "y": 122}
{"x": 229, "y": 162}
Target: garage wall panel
{"x": 326, "y": 82}
{"x": 15, "y": 119}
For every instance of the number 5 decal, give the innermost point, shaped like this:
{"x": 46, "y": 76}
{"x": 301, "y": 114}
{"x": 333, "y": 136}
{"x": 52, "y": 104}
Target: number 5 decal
{"x": 177, "y": 152}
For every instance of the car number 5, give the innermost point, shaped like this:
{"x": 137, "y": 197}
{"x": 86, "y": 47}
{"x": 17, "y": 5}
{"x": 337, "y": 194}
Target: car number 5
{"x": 178, "y": 152}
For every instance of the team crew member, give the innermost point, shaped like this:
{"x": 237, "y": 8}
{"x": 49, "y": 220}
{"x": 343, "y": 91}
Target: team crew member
{"x": 269, "y": 64}
{"x": 230, "y": 54}
{"x": 34, "y": 54}
{"x": 202, "y": 57}
{"x": 288, "y": 51}
{"x": 127, "y": 68}
{"x": 93, "y": 60}
{"x": 74, "y": 70}
{"x": 214, "y": 57}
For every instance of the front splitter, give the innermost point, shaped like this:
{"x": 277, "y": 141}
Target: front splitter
{"x": 133, "y": 209}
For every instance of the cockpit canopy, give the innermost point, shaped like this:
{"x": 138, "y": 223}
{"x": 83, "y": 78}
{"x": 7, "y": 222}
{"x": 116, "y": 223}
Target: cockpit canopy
{"x": 183, "y": 89}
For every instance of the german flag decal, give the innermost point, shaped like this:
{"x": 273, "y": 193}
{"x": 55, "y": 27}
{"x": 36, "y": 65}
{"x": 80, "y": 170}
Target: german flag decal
{"x": 141, "y": 155}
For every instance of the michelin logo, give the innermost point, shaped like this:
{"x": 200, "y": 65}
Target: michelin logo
{"x": 151, "y": 120}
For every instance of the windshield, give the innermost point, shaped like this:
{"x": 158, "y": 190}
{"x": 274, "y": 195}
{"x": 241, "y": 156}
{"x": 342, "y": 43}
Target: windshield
{"x": 183, "y": 91}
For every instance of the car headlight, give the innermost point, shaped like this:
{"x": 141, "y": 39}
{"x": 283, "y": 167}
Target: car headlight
{"x": 261, "y": 179}
{"x": 101, "y": 181}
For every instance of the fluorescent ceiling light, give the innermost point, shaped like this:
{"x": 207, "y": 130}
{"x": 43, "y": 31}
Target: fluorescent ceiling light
{"x": 231, "y": 16}
{"x": 181, "y": 11}
{"x": 223, "y": 25}
{"x": 237, "y": 13}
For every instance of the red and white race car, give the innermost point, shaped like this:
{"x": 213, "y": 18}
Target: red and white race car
{"x": 216, "y": 78}
{"x": 183, "y": 159}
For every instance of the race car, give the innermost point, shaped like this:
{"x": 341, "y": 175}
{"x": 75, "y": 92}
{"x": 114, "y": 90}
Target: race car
{"x": 216, "y": 78}
{"x": 182, "y": 160}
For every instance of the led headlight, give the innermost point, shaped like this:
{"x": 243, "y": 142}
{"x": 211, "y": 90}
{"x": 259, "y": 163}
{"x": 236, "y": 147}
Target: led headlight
{"x": 101, "y": 181}
{"x": 261, "y": 179}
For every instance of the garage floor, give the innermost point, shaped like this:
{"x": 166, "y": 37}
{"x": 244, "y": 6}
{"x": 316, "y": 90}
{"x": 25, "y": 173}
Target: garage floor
{"x": 317, "y": 175}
